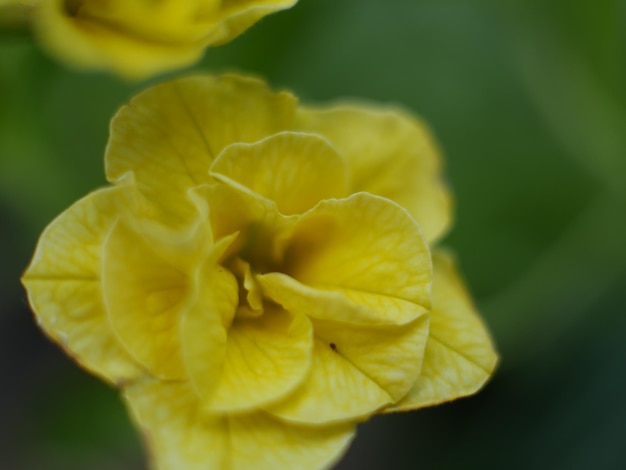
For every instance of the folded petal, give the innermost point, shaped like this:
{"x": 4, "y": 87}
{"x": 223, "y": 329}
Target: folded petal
{"x": 362, "y": 258}
{"x": 356, "y": 371}
{"x": 204, "y": 329}
{"x": 391, "y": 356}
{"x": 145, "y": 296}
{"x": 309, "y": 170}
{"x": 389, "y": 153}
{"x": 266, "y": 359}
{"x": 342, "y": 305}
{"x": 459, "y": 355}
{"x": 168, "y": 136}
{"x": 64, "y": 286}
{"x": 334, "y": 391}
{"x": 181, "y": 436}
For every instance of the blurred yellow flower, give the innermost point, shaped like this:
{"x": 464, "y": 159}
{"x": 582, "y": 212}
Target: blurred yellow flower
{"x": 257, "y": 279}
{"x": 139, "y": 38}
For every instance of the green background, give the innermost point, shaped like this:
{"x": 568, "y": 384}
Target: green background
{"x": 528, "y": 101}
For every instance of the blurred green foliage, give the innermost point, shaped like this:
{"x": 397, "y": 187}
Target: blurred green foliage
{"x": 528, "y": 100}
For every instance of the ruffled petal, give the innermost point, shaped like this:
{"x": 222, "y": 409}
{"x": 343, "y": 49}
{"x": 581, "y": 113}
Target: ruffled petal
{"x": 64, "y": 286}
{"x": 459, "y": 355}
{"x": 310, "y": 170}
{"x": 266, "y": 359}
{"x": 360, "y": 260}
{"x": 181, "y": 436}
{"x": 389, "y": 153}
{"x": 344, "y": 305}
{"x": 391, "y": 356}
{"x": 168, "y": 136}
{"x": 334, "y": 391}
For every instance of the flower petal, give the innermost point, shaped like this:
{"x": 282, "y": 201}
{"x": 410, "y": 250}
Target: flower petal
{"x": 343, "y": 305}
{"x": 266, "y": 359}
{"x": 360, "y": 260}
{"x": 145, "y": 296}
{"x": 64, "y": 287}
{"x": 389, "y": 153}
{"x": 239, "y": 16}
{"x": 292, "y": 446}
{"x": 459, "y": 356}
{"x": 181, "y": 436}
{"x": 334, "y": 391}
{"x": 391, "y": 356}
{"x": 168, "y": 136}
{"x": 177, "y": 432}
{"x": 356, "y": 371}
{"x": 91, "y": 43}
{"x": 310, "y": 170}
{"x": 138, "y": 39}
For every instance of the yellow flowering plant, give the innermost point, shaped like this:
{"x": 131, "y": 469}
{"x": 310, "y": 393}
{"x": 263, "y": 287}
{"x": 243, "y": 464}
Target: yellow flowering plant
{"x": 260, "y": 276}
{"x": 139, "y": 38}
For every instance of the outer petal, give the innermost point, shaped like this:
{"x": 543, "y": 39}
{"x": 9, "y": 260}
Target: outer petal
{"x": 261, "y": 442}
{"x": 266, "y": 358}
{"x": 168, "y": 135}
{"x": 180, "y": 436}
{"x": 363, "y": 251}
{"x": 64, "y": 286}
{"x": 310, "y": 170}
{"x": 459, "y": 356}
{"x": 176, "y": 432}
{"x": 389, "y": 153}
{"x": 145, "y": 296}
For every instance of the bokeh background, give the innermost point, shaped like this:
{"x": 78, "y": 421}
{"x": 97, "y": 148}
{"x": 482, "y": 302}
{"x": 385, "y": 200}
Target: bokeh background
{"x": 528, "y": 100}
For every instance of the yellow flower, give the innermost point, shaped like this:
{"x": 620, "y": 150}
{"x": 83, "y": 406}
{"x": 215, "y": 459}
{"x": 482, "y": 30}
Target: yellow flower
{"x": 139, "y": 38}
{"x": 251, "y": 279}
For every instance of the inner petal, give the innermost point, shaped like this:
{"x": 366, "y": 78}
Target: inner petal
{"x": 204, "y": 330}
{"x": 294, "y": 170}
{"x": 266, "y": 359}
{"x": 365, "y": 243}
{"x": 363, "y": 259}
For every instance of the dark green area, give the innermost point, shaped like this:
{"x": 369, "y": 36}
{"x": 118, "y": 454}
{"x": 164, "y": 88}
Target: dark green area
{"x": 528, "y": 100}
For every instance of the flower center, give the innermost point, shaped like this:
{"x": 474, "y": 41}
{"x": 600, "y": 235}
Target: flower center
{"x": 72, "y": 6}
